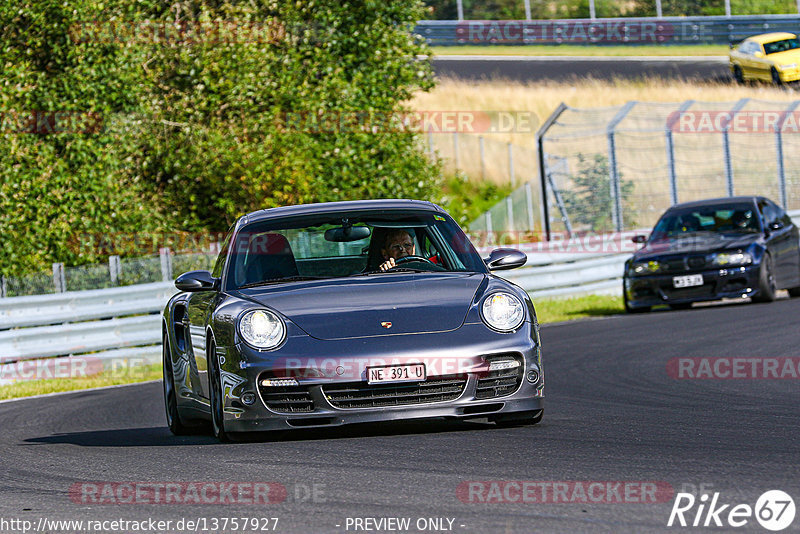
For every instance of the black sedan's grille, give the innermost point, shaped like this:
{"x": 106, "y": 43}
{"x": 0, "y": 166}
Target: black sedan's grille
{"x": 688, "y": 292}
{"x": 362, "y": 395}
{"x": 287, "y": 399}
{"x": 502, "y": 381}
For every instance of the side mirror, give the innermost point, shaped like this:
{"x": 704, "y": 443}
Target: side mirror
{"x": 639, "y": 239}
{"x": 758, "y": 54}
{"x": 775, "y": 225}
{"x": 196, "y": 281}
{"x": 501, "y": 259}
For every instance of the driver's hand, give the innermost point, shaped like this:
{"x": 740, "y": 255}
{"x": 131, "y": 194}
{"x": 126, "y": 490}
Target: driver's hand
{"x": 388, "y": 264}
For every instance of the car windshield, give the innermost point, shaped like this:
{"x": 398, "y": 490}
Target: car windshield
{"x": 352, "y": 243}
{"x": 781, "y": 46}
{"x": 736, "y": 218}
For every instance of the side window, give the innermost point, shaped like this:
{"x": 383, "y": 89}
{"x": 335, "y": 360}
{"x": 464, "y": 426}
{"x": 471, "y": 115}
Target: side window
{"x": 223, "y": 253}
{"x": 771, "y": 211}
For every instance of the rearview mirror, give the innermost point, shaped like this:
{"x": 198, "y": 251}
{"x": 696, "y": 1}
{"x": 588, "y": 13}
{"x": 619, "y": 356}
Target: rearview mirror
{"x": 639, "y": 239}
{"x": 196, "y": 281}
{"x": 501, "y": 259}
{"x": 345, "y": 234}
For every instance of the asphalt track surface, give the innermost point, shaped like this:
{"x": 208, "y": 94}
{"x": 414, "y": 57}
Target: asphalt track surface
{"x": 533, "y": 69}
{"x": 613, "y": 414}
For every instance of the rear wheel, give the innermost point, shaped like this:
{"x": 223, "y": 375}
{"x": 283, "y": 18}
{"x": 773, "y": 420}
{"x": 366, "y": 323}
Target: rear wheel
{"x": 520, "y": 419}
{"x": 215, "y": 392}
{"x": 766, "y": 281}
{"x": 738, "y": 75}
{"x": 176, "y": 426}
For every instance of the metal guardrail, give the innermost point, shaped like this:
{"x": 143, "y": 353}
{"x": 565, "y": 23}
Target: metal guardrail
{"x": 629, "y": 30}
{"x": 117, "y": 324}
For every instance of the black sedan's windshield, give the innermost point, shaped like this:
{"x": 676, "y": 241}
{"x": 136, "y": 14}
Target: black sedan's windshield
{"x": 353, "y": 243}
{"x": 737, "y": 218}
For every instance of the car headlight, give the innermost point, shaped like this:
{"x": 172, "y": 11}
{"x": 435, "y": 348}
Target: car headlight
{"x": 646, "y": 267}
{"x": 262, "y": 329}
{"x": 789, "y": 66}
{"x": 724, "y": 259}
{"x": 503, "y": 312}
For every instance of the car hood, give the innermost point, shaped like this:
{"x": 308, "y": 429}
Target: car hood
{"x": 346, "y": 308}
{"x": 699, "y": 243}
{"x": 787, "y": 57}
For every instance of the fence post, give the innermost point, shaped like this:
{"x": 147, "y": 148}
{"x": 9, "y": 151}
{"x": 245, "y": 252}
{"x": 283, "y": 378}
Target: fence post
{"x": 483, "y": 153}
{"x": 529, "y": 205}
{"x": 592, "y": 12}
{"x": 616, "y": 192}
{"x": 510, "y": 214}
{"x": 779, "y": 151}
{"x": 527, "y": 4}
{"x": 511, "y": 166}
{"x": 659, "y": 13}
{"x": 166, "y": 264}
{"x": 726, "y": 145}
{"x": 460, "y": 9}
{"x": 543, "y": 203}
{"x": 673, "y": 179}
{"x": 3, "y": 286}
{"x": 114, "y": 269}
{"x": 489, "y": 229}
{"x": 431, "y": 152}
{"x": 59, "y": 281}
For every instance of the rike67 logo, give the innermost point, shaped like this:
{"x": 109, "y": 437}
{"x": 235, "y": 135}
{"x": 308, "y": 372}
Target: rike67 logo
{"x": 774, "y": 510}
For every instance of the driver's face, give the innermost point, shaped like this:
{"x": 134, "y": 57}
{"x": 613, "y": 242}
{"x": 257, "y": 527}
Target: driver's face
{"x": 398, "y": 246}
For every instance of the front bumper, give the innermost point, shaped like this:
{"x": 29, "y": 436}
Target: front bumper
{"x": 244, "y": 368}
{"x": 656, "y": 289}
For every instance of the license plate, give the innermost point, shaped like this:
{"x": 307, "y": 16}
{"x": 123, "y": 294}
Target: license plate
{"x": 410, "y": 372}
{"x": 690, "y": 280}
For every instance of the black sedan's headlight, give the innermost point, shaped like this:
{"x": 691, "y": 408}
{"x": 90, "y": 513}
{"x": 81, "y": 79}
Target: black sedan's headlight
{"x": 646, "y": 267}
{"x": 503, "y": 312}
{"x": 261, "y": 329}
{"x": 727, "y": 259}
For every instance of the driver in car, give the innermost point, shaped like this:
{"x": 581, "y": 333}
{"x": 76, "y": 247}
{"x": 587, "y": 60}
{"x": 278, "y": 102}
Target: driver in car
{"x": 399, "y": 244}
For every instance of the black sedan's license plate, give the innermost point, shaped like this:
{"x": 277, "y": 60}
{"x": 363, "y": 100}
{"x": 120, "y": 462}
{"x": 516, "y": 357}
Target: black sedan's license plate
{"x": 410, "y": 372}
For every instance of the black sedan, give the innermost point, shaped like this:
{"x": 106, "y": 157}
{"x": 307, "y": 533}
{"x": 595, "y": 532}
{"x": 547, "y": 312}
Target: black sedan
{"x": 735, "y": 247}
{"x": 350, "y": 312}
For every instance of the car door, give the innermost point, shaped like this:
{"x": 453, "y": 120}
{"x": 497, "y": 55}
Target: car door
{"x": 761, "y": 66}
{"x": 781, "y": 242}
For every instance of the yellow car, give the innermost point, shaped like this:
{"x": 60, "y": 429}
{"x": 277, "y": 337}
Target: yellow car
{"x": 770, "y": 57}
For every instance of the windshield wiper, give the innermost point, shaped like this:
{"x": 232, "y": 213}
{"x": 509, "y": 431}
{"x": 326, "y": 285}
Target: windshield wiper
{"x": 393, "y": 270}
{"x": 281, "y": 280}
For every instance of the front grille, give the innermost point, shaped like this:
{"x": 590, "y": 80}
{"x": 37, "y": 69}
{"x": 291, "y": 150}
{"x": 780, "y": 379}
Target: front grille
{"x": 688, "y": 292}
{"x": 502, "y": 381}
{"x": 287, "y": 399}
{"x": 696, "y": 262}
{"x": 363, "y": 395}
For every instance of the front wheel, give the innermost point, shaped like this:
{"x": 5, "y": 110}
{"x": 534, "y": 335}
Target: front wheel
{"x": 738, "y": 75}
{"x": 215, "y": 392}
{"x": 776, "y": 77}
{"x": 520, "y": 419}
{"x": 766, "y": 281}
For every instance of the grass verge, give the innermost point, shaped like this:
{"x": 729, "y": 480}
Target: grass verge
{"x": 556, "y": 310}
{"x": 582, "y": 50}
{"x": 107, "y": 378}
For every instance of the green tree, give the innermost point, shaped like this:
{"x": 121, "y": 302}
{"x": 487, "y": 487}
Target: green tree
{"x": 589, "y": 200}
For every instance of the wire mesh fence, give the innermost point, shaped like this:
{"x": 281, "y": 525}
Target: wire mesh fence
{"x": 619, "y": 168}
{"x": 118, "y": 272}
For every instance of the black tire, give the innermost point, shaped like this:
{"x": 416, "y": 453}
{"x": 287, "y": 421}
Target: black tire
{"x": 766, "y": 281}
{"x": 629, "y": 309}
{"x": 776, "y": 78}
{"x": 520, "y": 419}
{"x": 738, "y": 75}
{"x": 794, "y": 291}
{"x": 681, "y": 306}
{"x": 215, "y": 394}
{"x": 174, "y": 422}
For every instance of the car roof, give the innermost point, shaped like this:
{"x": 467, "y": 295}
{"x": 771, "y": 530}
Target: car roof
{"x": 769, "y": 37}
{"x": 327, "y": 207}
{"x": 713, "y": 202}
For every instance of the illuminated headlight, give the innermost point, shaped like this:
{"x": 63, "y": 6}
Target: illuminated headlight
{"x": 503, "y": 312}
{"x": 646, "y": 267}
{"x": 723, "y": 259}
{"x": 262, "y": 329}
